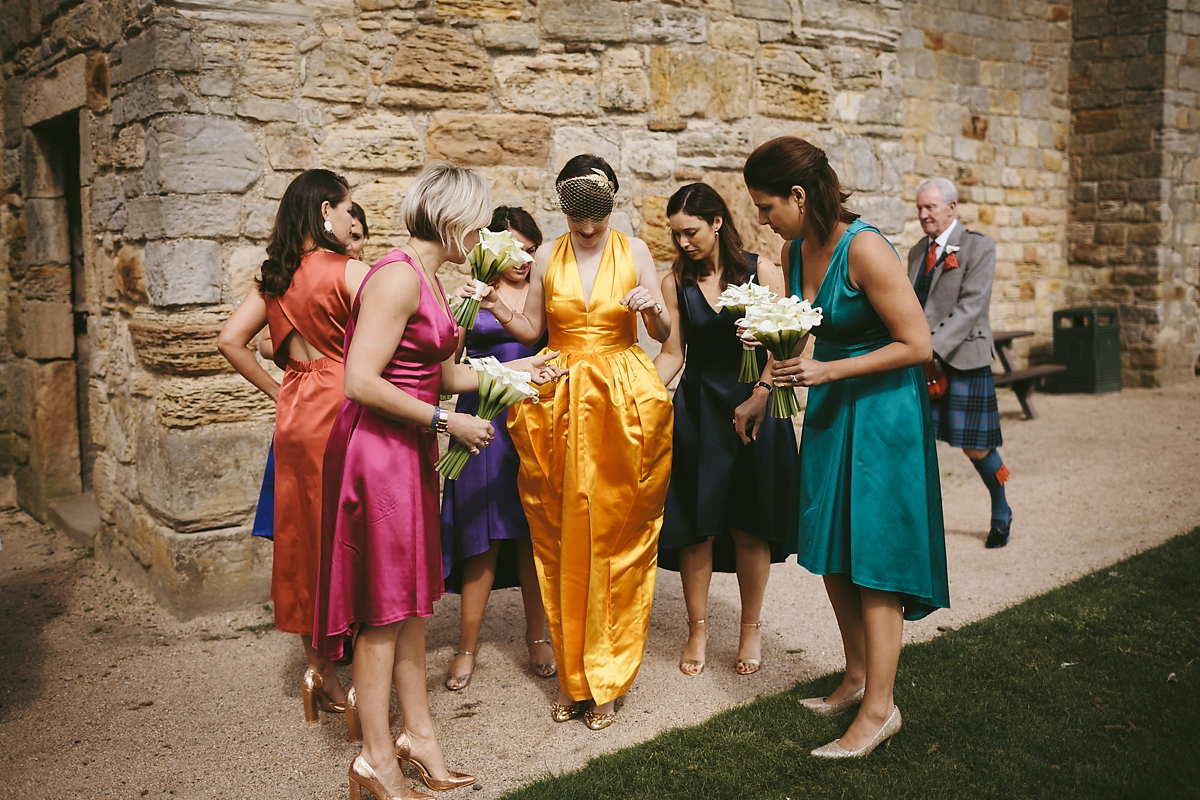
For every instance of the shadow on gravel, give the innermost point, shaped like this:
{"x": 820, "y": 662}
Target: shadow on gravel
{"x": 29, "y": 601}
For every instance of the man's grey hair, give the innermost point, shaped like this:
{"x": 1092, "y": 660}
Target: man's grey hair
{"x": 949, "y": 193}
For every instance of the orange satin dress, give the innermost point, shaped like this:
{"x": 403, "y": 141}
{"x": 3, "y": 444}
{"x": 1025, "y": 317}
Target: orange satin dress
{"x": 317, "y": 307}
{"x": 595, "y": 464}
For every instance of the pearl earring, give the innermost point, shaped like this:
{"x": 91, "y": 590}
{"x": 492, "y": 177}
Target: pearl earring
{"x": 328, "y": 226}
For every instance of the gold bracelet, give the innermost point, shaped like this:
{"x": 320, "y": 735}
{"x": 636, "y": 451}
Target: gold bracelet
{"x": 510, "y": 318}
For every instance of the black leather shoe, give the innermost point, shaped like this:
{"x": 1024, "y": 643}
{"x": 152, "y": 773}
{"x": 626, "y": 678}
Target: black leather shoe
{"x": 998, "y": 535}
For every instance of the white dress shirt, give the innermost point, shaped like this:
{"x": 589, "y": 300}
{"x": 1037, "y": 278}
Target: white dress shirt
{"x": 943, "y": 237}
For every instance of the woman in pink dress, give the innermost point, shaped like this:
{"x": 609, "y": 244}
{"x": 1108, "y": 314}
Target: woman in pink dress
{"x": 381, "y": 561}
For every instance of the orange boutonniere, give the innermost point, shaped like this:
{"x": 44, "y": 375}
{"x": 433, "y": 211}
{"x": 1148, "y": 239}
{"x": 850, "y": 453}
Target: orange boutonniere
{"x": 952, "y": 257}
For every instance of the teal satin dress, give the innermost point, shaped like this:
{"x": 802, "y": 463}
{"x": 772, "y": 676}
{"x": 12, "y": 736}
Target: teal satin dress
{"x": 870, "y": 496}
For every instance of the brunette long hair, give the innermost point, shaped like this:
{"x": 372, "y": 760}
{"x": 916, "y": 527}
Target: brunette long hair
{"x": 298, "y": 221}
{"x": 520, "y": 220}
{"x": 702, "y": 201}
{"x": 776, "y": 166}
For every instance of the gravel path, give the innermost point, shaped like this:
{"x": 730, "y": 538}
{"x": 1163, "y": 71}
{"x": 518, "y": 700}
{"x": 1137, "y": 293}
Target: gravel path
{"x": 105, "y": 695}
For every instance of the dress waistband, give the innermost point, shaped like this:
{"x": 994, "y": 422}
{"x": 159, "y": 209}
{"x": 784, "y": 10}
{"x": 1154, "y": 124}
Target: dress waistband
{"x": 825, "y": 350}
{"x": 316, "y": 365}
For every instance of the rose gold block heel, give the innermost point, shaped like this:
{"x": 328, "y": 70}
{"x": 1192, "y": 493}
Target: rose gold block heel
{"x": 353, "y": 723}
{"x": 457, "y": 780}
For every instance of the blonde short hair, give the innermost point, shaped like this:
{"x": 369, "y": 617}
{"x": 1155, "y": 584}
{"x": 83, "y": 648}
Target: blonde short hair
{"x": 445, "y": 204}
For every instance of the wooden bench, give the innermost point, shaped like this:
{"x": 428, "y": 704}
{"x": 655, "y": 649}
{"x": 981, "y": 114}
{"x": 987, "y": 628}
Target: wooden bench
{"x": 1022, "y": 381}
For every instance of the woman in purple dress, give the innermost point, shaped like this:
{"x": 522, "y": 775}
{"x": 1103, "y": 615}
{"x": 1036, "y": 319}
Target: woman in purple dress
{"x": 381, "y": 561}
{"x": 485, "y": 537}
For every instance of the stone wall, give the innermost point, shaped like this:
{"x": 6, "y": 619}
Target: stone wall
{"x": 1134, "y": 238}
{"x": 193, "y": 115}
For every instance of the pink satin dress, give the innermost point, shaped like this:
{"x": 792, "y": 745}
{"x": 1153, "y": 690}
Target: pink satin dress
{"x": 381, "y": 552}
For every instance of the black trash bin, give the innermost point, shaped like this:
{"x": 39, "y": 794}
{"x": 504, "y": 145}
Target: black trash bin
{"x": 1088, "y": 342}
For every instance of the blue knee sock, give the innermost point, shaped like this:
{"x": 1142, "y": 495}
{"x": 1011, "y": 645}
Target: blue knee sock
{"x": 991, "y": 468}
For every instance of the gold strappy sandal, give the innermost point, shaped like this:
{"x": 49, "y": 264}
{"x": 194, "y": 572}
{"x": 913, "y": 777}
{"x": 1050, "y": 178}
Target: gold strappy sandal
{"x": 691, "y": 662}
{"x": 749, "y": 666}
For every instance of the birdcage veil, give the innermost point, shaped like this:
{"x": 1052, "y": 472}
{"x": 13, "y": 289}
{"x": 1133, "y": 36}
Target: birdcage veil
{"x": 587, "y": 198}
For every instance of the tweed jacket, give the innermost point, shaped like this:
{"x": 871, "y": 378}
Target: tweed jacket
{"x": 957, "y": 307}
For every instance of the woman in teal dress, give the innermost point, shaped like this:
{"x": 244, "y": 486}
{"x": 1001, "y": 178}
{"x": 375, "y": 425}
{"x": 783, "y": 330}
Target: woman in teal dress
{"x": 869, "y": 494}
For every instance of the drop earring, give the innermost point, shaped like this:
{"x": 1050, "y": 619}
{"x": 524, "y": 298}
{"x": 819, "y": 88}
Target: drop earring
{"x": 328, "y": 226}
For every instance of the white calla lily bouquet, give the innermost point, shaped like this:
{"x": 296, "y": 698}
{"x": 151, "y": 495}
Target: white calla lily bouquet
{"x": 780, "y": 326}
{"x": 738, "y": 299}
{"x": 499, "y": 389}
{"x": 496, "y": 252}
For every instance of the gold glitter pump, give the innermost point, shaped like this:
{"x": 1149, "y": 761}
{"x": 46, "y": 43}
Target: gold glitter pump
{"x": 885, "y": 734}
{"x": 561, "y": 713}
{"x": 316, "y": 699}
{"x": 363, "y": 777}
{"x": 817, "y": 705}
{"x": 598, "y": 722}
{"x": 457, "y": 780}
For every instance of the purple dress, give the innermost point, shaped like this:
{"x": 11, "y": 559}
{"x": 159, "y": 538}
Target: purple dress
{"x": 381, "y": 557}
{"x": 483, "y": 504}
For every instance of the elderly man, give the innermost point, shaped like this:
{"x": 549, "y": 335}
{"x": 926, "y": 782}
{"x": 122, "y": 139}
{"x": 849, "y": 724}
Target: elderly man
{"x": 952, "y": 270}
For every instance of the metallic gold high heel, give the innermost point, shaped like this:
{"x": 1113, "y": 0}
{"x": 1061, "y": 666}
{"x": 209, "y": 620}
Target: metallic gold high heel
{"x": 363, "y": 777}
{"x": 690, "y": 662}
{"x": 457, "y": 780}
{"x": 884, "y": 734}
{"x": 456, "y": 683}
{"x": 315, "y": 698}
{"x": 353, "y": 723}
{"x": 818, "y": 705}
{"x": 541, "y": 670}
{"x": 561, "y": 713}
{"x": 752, "y": 664}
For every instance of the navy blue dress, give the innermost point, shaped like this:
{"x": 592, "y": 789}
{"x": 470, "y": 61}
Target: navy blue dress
{"x": 717, "y": 483}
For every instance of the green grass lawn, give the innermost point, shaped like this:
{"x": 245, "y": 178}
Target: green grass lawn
{"x": 1090, "y": 691}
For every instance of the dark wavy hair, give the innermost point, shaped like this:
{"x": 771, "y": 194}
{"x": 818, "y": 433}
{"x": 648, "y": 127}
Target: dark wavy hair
{"x": 583, "y": 164}
{"x": 357, "y": 212}
{"x": 776, "y": 166}
{"x": 703, "y": 201}
{"x": 299, "y": 221}
{"x": 519, "y": 220}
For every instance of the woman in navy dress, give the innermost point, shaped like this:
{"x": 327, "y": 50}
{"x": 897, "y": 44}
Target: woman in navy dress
{"x": 485, "y": 537}
{"x": 731, "y": 473}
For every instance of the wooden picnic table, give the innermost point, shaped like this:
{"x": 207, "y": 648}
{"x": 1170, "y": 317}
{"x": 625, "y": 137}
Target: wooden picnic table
{"x": 1022, "y": 381}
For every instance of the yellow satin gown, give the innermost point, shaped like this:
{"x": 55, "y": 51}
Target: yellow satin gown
{"x": 595, "y": 465}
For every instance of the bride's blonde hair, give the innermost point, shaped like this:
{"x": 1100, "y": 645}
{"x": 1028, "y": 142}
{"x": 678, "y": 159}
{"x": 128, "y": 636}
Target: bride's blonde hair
{"x": 445, "y": 204}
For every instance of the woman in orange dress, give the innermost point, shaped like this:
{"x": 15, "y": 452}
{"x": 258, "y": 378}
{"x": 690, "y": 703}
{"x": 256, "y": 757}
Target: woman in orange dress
{"x": 596, "y": 451}
{"x": 302, "y": 295}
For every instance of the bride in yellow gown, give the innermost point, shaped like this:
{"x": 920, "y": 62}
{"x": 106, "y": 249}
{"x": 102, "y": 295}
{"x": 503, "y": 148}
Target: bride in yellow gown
{"x": 596, "y": 450}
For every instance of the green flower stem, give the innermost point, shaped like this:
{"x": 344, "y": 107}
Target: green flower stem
{"x": 749, "y": 372}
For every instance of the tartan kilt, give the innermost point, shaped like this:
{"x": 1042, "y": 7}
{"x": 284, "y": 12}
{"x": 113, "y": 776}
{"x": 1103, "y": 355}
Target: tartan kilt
{"x": 966, "y": 416}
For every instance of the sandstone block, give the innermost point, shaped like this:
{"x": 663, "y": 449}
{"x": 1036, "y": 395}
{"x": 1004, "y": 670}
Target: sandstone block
{"x": 734, "y": 35}
{"x": 337, "y": 72}
{"x": 714, "y": 145}
{"x": 49, "y": 330}
{"x": 624, "y": 84}
{"x": 438, "y": 68}
{"x": 195, "y": 155}
{"x": 485, "y": 140}
{"x": 54, "y": 440}
{"x": 130, "y": 151}
{"x": 209, "y": 571}
{"x": 696, "y": 81}
{"x": 655, "y": 231}
{"x": 855, "y": 163}
{"x": 510, "y": 36}
{"x": 378, "y": 141}
{"x": 192, "y": 402}
{"x": 149, "y": 95}
{"x": 555, "y": 84}
{"x": 183, "y": 272}
{"x": 267, "y": 110}
{"x": 789, "y": 86}
{"x": 258, "y": 219}
{"x": 39, "y": 172}
{"x": 131, "y": 272}
{"x": 571, "y": 140}
{"x": 289, "y": 152}
{"x": 776, "y": 10}
{"x": 270, "y": 68}
{"x": 177, "y": 216}
{"x": 584, "y": 20}
{"x": 648, "y": 155}
{"x": 243, "y": 267}
{"x": 62, "y": 88}
{"x": 162, "y": 47}
{"x": 202, "y": 478}
{"x": 658, "y": 24}
{"x": 481, "y": 9}
{"x": 47, "y": 231}
{"x": 179, "y": 343}
{"x": 49, "y": 283}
